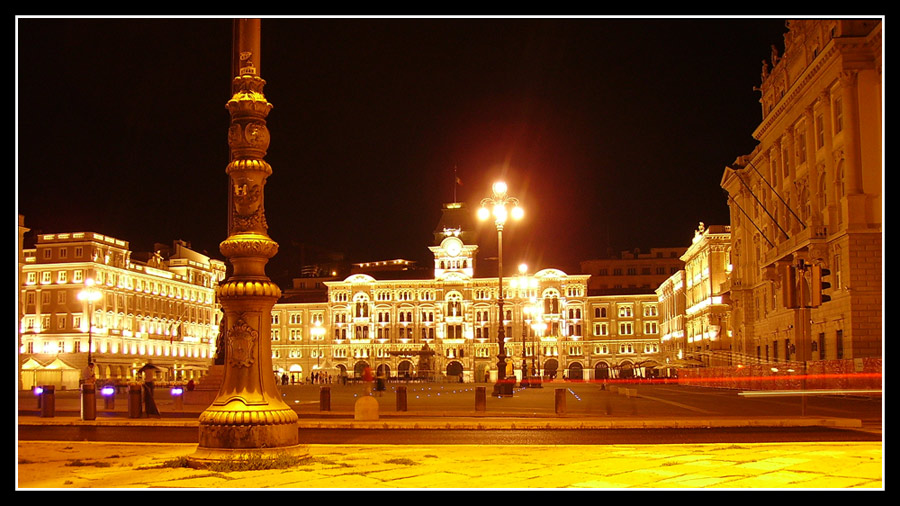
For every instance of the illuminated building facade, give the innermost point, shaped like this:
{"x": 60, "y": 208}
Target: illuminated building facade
{"x": 670, "y": 295}
{"x": 443, "y": 322}
{"x": 806, "y": 202}
{"x": 161, "y": 310}
{"x": 707, "y": 322}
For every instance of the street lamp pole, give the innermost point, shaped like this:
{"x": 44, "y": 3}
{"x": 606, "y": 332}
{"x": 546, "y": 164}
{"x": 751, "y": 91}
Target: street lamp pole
{"x": 90, "y": 295}
{"x": 497, "y": 205}
{"x": 523, "y": 295}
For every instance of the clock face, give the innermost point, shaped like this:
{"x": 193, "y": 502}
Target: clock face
{"x": 453, "y": 246}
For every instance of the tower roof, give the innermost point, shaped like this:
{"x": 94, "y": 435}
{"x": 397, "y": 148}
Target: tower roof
{"x": 455, "y": 216}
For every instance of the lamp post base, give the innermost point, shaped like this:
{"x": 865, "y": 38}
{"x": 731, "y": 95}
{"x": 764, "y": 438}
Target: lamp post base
{"x": 203, "y": 458}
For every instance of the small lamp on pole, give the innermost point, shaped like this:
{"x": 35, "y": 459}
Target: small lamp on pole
{"x": 90, "y": 295}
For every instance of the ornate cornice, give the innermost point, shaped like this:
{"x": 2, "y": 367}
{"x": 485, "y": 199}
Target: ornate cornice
{"x": 796, "y": 89}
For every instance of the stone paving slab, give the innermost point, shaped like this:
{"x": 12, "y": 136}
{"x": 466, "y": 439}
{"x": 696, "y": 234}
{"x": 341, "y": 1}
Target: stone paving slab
{"x": 91, "y": 465}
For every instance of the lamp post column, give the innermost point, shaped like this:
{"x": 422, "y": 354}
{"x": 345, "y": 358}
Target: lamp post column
{"x": 248, "y": 416}
{"x": 498, "y": 203}
{"x": 501, "y": 331}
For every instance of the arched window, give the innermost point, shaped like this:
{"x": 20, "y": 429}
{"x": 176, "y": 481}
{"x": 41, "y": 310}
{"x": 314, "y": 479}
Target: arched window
{"x": 551, "y": 301}
{"x": 361, "y": 305}
{"x": 454, "y": 304}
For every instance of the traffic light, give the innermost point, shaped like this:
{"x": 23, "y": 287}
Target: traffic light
{"x": 789, "y": 286}
{"x": 819, "y": 285}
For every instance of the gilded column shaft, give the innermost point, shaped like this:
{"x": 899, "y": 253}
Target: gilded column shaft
{"x": 248, "y": 412}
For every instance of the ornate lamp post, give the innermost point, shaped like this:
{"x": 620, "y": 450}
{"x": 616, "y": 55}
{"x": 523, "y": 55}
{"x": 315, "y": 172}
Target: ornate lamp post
{"x": 318, "y": 331}
{"x": 248, "y": 416}
{"x": 539, "y": 326}
{"x": 498, "y": 205}
{"x": 524, "y": 285}
{"x": 90, "y": 295}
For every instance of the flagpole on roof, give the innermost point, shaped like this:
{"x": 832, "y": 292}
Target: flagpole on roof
{"x": 455, "y": 182}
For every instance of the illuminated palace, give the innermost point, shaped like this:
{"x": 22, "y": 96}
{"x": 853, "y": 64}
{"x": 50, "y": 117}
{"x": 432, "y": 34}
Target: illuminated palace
{"x": 806, "y": 202}
{"x": 443, "y": 322}
{"x": 85, "y": 294}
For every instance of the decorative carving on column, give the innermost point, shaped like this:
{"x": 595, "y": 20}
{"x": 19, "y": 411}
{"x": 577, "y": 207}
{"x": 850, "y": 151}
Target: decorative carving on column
{"x": 242, "y": 340}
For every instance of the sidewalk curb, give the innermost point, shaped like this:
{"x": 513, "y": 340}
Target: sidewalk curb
{"x": 461, "y": 422}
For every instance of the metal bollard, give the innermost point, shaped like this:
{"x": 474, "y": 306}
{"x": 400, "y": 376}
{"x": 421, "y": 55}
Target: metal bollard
{"x": 325, "y": 399}
{"x": 48, "y": 401}
{"x": 134, "y": 401}
{"x": 401, "y": 398}
{"x": 88, "y": 401}
{"x": 560, "y": 401}
{"x": 480, "y": 399}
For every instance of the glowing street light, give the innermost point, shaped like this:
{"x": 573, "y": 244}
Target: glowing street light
{"x": 501, "y": 206}
{"x": 318, "y": 331}
{"x": 90, "y": 295}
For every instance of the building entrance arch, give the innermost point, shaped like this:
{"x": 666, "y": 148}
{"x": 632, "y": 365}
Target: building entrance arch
{"x": 550, "y": 367}
{"x": 384, "y": 370}
{"x": 601, "y": 371}
{"x": 454, "y": 369}
{"x": 359, "y": 367}
{"x": 404, "y": 369}
{"x": 575, "y": 371}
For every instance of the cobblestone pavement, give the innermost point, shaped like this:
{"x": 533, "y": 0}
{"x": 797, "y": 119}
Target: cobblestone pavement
{"x": 90, "y": 465}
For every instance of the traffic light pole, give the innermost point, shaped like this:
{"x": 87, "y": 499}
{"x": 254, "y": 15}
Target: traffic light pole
{"x": 803, "y": 288}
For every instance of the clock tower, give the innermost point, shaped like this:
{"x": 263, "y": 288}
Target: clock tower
{"x": 453, "y": 259}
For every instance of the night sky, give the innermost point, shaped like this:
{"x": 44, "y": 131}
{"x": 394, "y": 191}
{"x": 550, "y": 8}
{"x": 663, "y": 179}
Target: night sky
{"x": 613, "y": 133}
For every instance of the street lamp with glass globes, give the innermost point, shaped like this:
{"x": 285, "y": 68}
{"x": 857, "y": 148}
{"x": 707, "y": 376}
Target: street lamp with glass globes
{"x": 90, "y": 295}
{"x": 318, "y": 331}
{"x": 501, "y": 206}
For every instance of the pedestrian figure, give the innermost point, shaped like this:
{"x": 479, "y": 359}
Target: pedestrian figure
{"x": 87, "y": 374}
{"x": 149, "y": 373}
{"x": 190, "y": 385}
{"x": 379, "y": 385}
{"x": 368, "y": 378}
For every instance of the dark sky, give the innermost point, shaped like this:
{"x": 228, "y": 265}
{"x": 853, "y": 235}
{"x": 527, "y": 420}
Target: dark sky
{"x": 612, "y": 132}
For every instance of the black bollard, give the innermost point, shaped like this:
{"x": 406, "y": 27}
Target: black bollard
{"x": 560, "y": 401}
{"x": 401, "y": 398}
{"x": 134, "y": 401}
{"x": 48, "y": 401}
{"x": 88, "y": 401}
{"x": 480, "y": 399}
{"x": 325, "y": 399}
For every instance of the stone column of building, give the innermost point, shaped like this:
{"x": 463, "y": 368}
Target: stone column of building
{"x": 856, "y": 209}
{"x": 833, "y": 203}
{"x": 812, "y": 167}
{"x": 248, "y": 415}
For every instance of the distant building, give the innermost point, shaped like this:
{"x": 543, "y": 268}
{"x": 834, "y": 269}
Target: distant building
{"x": 809, "y": 197}
{"x": 161, "y": 309}
{"x": 397, "y": 318}
{"x": 632, "y": 272}
{"x": 707, "y": 313}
